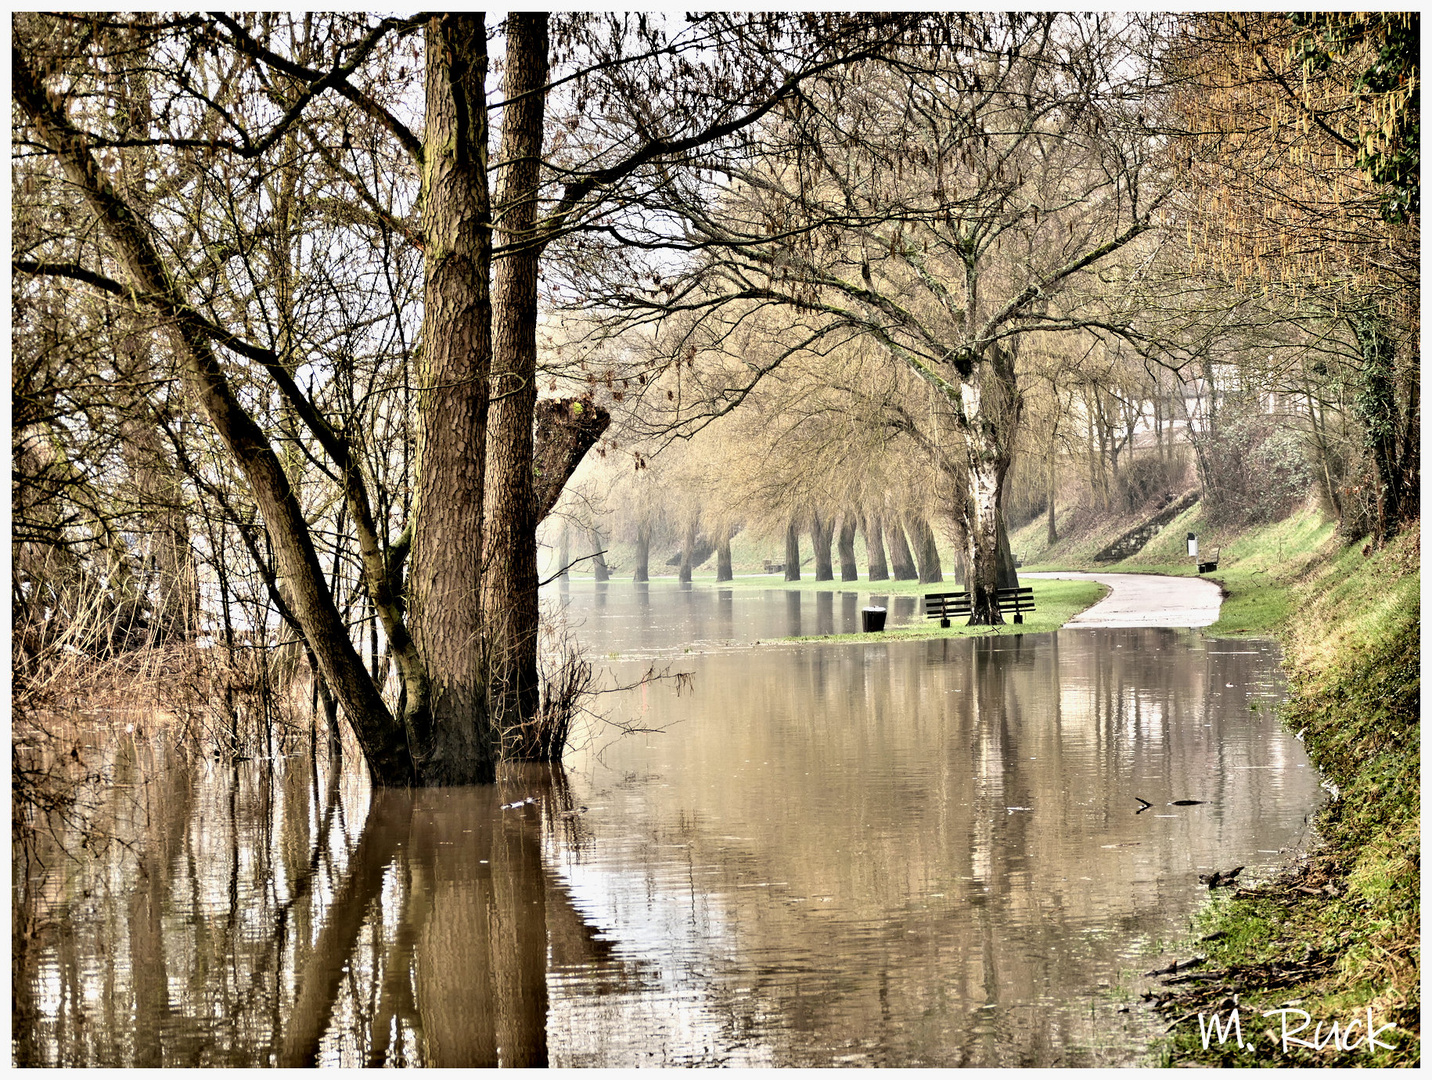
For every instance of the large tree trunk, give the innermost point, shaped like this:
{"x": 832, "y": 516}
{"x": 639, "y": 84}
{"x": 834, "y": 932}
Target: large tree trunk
{"x": 599, "y": 558}
{"x": 1008, "y": 571}
{"x": 643, "y": 552}
{"x": 846, "y": 546}
{"x": 446, "y": 575}
{"x": 875, "y": 549}
{"x": 1391, "y": 438}
{"x": 793, "y": 552}
{"x": 990, "y": 405}
{"x": 821, "y": 531}
{"x": 902, "y": 562}
{"x": 927, "y": 556}
{"x": 509, "y": 591}
{"x": 723, "y": 554}
{"x": 986, "y": 482}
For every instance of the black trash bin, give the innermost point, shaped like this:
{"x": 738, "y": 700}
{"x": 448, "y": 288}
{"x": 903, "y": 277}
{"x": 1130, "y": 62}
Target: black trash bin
{"x": 872, "y": 620}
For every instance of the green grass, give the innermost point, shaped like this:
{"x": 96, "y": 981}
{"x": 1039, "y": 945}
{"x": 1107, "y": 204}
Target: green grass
{"x": 1259, "y": 569}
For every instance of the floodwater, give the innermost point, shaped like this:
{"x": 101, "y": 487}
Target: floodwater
{"x": 664, "y": 618}
{"x": 916, "y": 853}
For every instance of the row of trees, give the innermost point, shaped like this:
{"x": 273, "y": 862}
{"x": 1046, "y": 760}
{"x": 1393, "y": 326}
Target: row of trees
{"x": 1215, "y": 246}
{"x": 277, "y": 284}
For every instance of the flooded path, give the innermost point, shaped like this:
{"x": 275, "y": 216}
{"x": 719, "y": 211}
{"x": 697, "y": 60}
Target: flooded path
{"x": 902, "y": 853}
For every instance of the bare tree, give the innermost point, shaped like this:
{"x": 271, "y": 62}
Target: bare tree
{"x": 942, "y": 209}
{"x": 165, "y": 131}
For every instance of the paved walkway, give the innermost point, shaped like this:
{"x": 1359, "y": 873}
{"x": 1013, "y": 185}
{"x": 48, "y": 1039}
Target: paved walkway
{"x": 1146, "y": 600}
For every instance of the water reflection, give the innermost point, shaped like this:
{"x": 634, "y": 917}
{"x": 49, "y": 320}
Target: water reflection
{"x": 278, "y": 920}
{"x": 665, "y": 617}
{"x": 895, "y": 854}
{"x": 875, "y": 854}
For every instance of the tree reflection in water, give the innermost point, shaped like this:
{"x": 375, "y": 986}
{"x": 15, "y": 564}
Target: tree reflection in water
{"x": 243, "y": 923}
{"x": 879, "y": 854}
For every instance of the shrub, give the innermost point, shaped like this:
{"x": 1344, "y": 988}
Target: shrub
{"x": 1256, "y": 471}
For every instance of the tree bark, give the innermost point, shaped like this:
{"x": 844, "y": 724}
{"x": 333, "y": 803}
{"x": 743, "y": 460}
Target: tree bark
{"x": 846, "y": 546}
{"x": 927, "y": 556}
{"x": 821, "y": 531}
{"x": 723, "y": 554}
{"x": 793, "y": 552}
{"x": 902, "y": 562}
{"x": 688, "y": 553}
{"x": 1390, "y": 440}
{"x": 990, "y": 405}
{"x": 643, "y": 552}
{"x": 1008, "y": 571}
{"x": 875, "y": 549}
{"x": 453, "y": 399}
{"x": 599, "y": 559}
{"x": 510, "y": 533}
{"x": 564, "y": 431}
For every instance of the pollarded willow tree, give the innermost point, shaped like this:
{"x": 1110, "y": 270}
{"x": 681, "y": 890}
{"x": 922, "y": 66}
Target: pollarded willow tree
{"x": 944, "y": 208}
{"x": 177, "y": 148}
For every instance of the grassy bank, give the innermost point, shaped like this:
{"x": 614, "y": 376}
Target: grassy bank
{"x": 1338, "y": 933}
{"x": 1260, "y": 569}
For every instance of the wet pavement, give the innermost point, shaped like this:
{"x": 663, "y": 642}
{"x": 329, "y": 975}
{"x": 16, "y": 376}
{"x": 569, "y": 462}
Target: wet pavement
{"x": 1146, "y": 600}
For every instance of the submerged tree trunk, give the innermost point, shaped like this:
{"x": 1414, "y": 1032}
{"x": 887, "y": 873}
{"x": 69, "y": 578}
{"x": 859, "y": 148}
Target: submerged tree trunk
{"x": 875, "y": 549}
{"x": 902, "y": 563}
{"x": 446, "y": 578}
{"x": 643, "y": 552}
{"x": 509, "y": 582}
{"x": 846, "y": 546}
{"x": 599, "y": 558}
{"x": 793, "y": 552}
{"x": 821, "y": 532}
{"x": 688, "y": 553}
{"x": 723, "y": 554}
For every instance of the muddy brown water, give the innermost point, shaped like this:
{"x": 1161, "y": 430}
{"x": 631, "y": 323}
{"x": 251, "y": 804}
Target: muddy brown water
{"x": 915, "y": 853}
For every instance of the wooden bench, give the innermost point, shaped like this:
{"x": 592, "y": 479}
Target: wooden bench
{"x": 774, "y": 567}
{"x": 1205, "y": 565}
{"x": 947, "y": 606}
